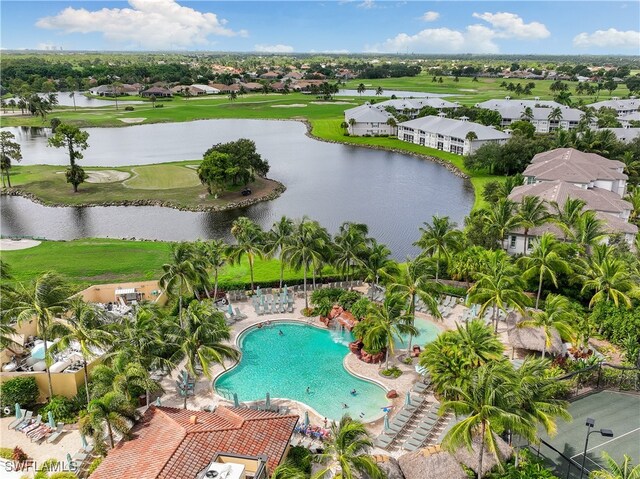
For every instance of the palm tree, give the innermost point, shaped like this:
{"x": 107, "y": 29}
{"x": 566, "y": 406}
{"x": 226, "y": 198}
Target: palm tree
{"x": 346, "y": 453}
{"x": 351, "y": 247}
{"x": 180, "y": 275}
{"x": 633, "y": 197}
{"x": 387, "y": 323}
{"x": 126, "y": 376}
{"x": 623, "y": 470}
{"x": 249, "y": 241}
{"x": 499, "y": 286}
{"x": 200, "y": 339}
{"x": 609, "y": 279}
{"x": 488, "y": 405}
{"x": 589, "y": 230}
{"x": 308, "y": 244}
{"x": 83, "y": 329}
{"x": 277, "y": 239}
{"x": 217, "y": 251}
{"x": 527, "y": 114}
{"x": 43, "y": 300}
{"x": 414, "y": 281}
{"x": 567, "y": 216}
{"x": 379, "y": 91}
{"x": 471, "y": 136}
{"x": 439, "y": 240}
{"x": 544, "y": 262}
{"x": 465, "y": 264}
{"x": 556, "y": 315}
{"x": 555, "y": 115}
{"x": 532, "y": 212}
{"x": 111, "y": 410}
{"x": 377, "y": 262}
{"x": 393, "y": 124}
{"x": 501, "y": 218}
{"x": 361, "y": 89}
{"x": 9, "y": 152}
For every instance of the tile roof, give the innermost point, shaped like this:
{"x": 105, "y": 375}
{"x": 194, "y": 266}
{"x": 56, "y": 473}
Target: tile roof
{"x": 454, "y": 128}
{"x": 165, "y": 444}
{"x": 569, "y": 164}
{"x": 367, "y": 114}
{"x": 625, "y": 135}
{"x": 515, "y": 111}
{"x": 416, "y": 103}
{"x": 624, "y": 104}
{"x": 498, "y": 103}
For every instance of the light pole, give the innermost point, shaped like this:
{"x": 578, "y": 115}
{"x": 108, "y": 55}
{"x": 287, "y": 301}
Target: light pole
{"x": 603, "y": 432}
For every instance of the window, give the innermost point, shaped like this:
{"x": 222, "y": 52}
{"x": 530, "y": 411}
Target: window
{"x": 529, "y": 243}
{"x": 512, "y": 243}
{"x": 422, "y": 141}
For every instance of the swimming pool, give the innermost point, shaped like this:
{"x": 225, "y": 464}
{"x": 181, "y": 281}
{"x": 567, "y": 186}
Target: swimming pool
{"x": 302, "y": 357}
{"x": 427, "y": 332}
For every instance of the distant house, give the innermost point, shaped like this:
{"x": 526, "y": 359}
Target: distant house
{"x": 625, "y": 135}
{"x": 461, "y": 137}
{"x": 270, "y": 76}
{"x": 157, "y": 91}
{"x": 169, "y": 443}
{"x": 556, "y": 175}
{"x": 625, "y": 120}
{"x": 207, "y": 89}
{"x": 293, "y": 76}
{"x": 103, "y": 90}
{"x": 252, "y": 86}
{"x": 623, "y": 107}
{"x": 192, "y": 89}
{"x": 368, "y": 120}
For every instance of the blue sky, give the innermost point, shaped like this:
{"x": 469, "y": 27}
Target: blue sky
{"x": 521, "y": 27}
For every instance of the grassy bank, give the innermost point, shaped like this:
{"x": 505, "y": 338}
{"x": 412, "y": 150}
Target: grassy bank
{"x": 93, "y": 261}
{"x": 170, "y": 183}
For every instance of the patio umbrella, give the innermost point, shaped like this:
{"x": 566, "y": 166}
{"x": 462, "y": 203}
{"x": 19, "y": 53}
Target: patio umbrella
{"x": 236, "y": 403}
{"x": 267, "y": 403}
{"x": 38, "y": 350}
{"x": 386, "y": 422}
{"x": 18, "y": 411}
{"x": 407, "y": 399}
{"x": 83, "y": 439}
{"x": 52, "y": 422}
{"x": 258, "y": 291}
{"x": 69, "y": 461}
{"x": 158, "y": 403}
{"x": 306, "y": 419}
{"x": 284, "y": 291}
{"x": 230, "y": 310}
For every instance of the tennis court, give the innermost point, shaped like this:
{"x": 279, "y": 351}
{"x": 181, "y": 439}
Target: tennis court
{"x": 617, "y": 411}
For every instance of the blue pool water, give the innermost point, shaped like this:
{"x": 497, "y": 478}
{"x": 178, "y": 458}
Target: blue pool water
{"x": 304, "y": 356}
{"x": 427, "y": 333}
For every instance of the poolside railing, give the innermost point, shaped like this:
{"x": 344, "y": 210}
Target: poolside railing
{"x": 600, "y": 376}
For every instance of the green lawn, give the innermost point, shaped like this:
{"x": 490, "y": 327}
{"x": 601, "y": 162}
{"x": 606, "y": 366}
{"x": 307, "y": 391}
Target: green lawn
{"x": 173, "y": 183}
{"x": 153, "y": 177}
{"x": 93, "y": 261}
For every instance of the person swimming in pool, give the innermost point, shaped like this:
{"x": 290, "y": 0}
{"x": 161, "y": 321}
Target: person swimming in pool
{"x": 354, "y": 392}
{"x": 345, "y": 405}
{"x": 308, "y": 390}
{"x": 280, "y": 332}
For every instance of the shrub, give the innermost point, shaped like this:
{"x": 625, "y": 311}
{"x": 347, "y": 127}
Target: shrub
{"x": 41, "y": 475}
{"x": 347, "y": 298}
{"x": 94, "y": 465}
{"x": 55, "y": 123}
{"x": 128, "y": 108}
{"x": 63, "y": 475}
{"x": 62, "y": 408}
{"x": 18, "y": 455}
{"x": 331, "y": 294}
{"x": 159, "y": 106}
{"x": 323, "y": 307}
{"x": 359, "y": 308}
{"x": 6, "y": 453}
{"x": 307, "y": 312}
{"x": 22, "y": 390}
{"x": 392, "y": 372}
{"x": 300, "y": 457}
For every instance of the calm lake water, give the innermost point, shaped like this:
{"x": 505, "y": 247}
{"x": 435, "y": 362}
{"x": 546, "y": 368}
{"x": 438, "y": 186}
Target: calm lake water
{"x": 83, "y": 102}
{"x": 391, "y": 192}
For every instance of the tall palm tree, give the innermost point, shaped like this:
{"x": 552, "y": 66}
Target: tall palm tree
{"x": 589, "y": 230}
{"x": 125, "y": 375}
{"x": 249, "y": 242}
{"x": 439, "y": 240}
{"x": 501, "y": 218}
{"x": 200, "y": 339}
{"x": 42, "y": 300}
{"x": 181, "y": 274}
{"x": 498, "y": 286}
{"x": 361, "y": 89}
{"x": 633, "y": 197}
{"x": 217, "y": 252}
{"x": 555, "y": 114}
{"x": 414, "y": 280}
{"x": 277, "y": 238}
{"x": 377, "y": 262}
{"x": 531, "y": 212}
{"x": 465, "y": 264}
{"x": 346, "y": 453}
{"x": 83, "y": 327}
{"x": 113, "y": 411}
{"x": 351, "y": 247}
{"x": 489, "y": 405}
{"x": 623, "y": 470}
{"x": 527, "y": 114}
{"x": 556, "y": 315}
{"x": 308, "y": 244}
{"x": 545, "y": 262}
{"x": 386, "y": 323}
{"x": 567, "y": 215}
{"x": 609, "y": 279}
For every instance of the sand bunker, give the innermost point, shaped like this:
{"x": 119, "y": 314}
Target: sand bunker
{"x": 293, "y": 105}
{"x": 7, "y": 244}
{"x": 132, "y": 120}
{"x": 107, "y": 176}
{"x": 333, "y": 103}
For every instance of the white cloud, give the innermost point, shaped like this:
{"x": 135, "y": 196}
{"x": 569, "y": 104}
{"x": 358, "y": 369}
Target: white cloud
{"x": 430, "y": 16}
{"x": 279, "y": 48}
{"x": 608, "y": 38}
{"x": 510, "y": 25}
{"x": 47, "y": 46}
{"x": 367, "y": 4}
{"x": 331, "y": 52}
{"x": 151, "y": 24}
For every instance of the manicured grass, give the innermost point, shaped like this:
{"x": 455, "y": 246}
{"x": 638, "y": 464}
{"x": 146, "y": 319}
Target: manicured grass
{"x": 154, "y": 177}
{"x": 165, "y": 182}
{"x": 93, "y": 261}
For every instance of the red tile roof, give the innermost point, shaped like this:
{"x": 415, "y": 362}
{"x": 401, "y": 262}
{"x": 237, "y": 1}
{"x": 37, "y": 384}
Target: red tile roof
{"x": 165, "y": 444}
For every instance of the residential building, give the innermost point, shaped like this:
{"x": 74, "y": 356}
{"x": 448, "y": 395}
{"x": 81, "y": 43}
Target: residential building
{"x": 461, "y": 137}
{"x": 625, "y": 135}
{"x": 158, "y": 92}
{"x": 411, "y": 107}
{"x": 546, "y": 116}
{"x": 368, "y": 120}
{"x": 625, "y": 120}
{"x": 556, "y": 175}
{"x": 110, "y": 90}
{"x": 623, "y": 107}
{"x": 170, "y": 443}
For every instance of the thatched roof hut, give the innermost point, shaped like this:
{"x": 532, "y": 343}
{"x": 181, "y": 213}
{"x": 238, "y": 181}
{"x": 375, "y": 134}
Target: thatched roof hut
{"x": 470, "y": 457}
{"x": 430, "y": 463}
{"x": 388, "y": 465}
{"x": 531, "y": 338}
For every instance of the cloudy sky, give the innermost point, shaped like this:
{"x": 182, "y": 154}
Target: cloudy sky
{"x": 545, "y": 27}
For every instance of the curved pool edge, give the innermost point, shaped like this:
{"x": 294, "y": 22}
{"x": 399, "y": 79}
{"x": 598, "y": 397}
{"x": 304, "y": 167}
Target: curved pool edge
{"x": 247, "y": 329}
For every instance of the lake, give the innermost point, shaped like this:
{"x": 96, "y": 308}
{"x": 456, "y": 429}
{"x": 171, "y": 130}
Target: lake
{"x": 83, "y": 102}
{"x": 391, "y": 192}
{"x": 388, "y": 93}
